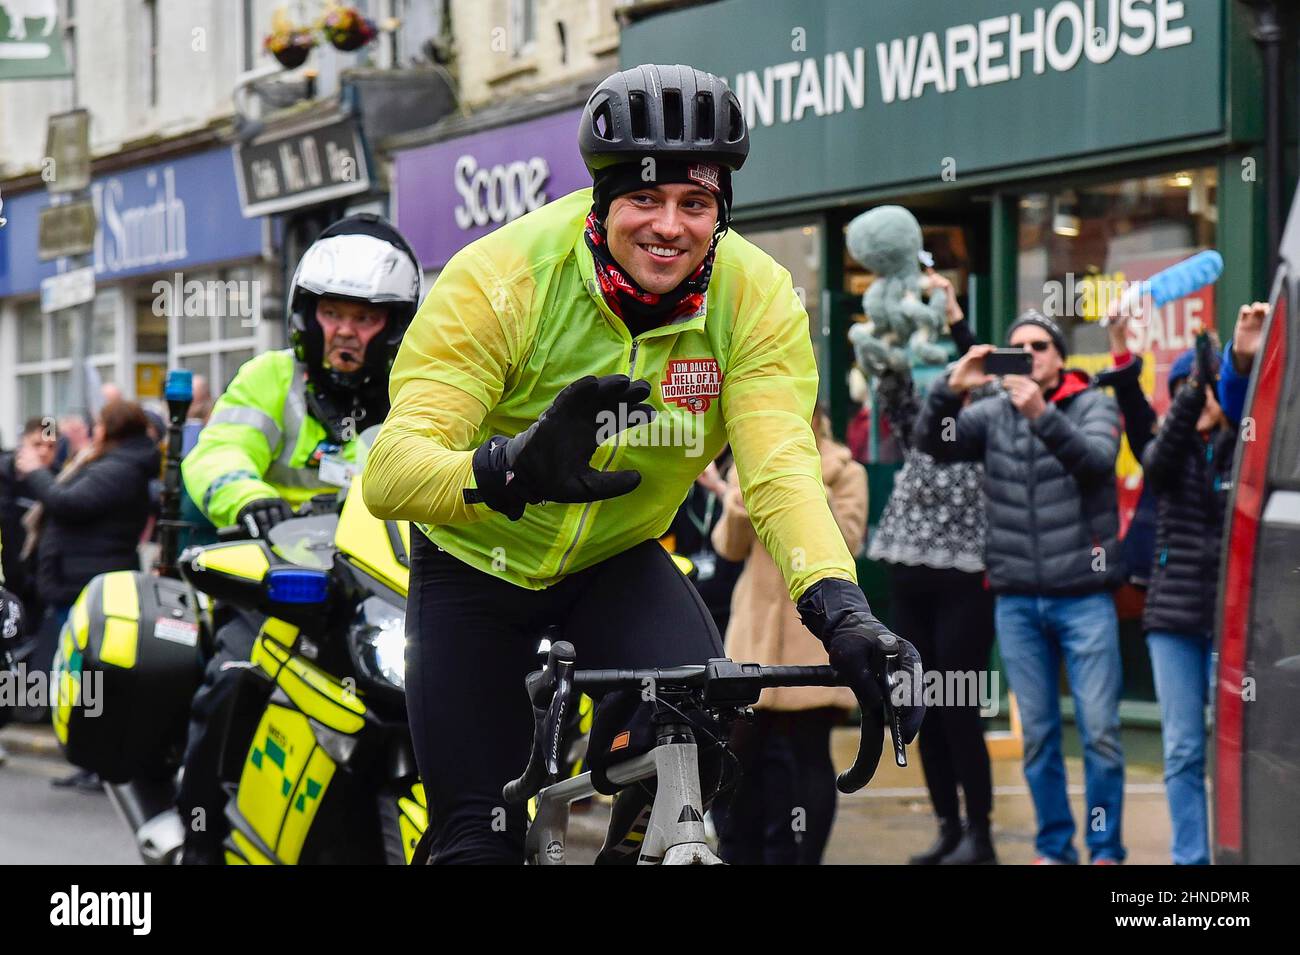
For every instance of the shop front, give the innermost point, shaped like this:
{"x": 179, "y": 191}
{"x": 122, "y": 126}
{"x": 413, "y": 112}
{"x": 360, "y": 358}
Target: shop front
{"x": 1051, "y": 150}
{"x": 452, "y": 191}
{"x": 177, "y": 281}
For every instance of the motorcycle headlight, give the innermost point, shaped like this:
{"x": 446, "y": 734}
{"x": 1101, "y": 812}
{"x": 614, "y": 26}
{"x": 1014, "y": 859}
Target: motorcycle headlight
{"x": 378, "y": 639}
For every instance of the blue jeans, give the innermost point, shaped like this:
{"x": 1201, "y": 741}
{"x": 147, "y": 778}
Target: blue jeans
{"x": 1033, "y": 635}
{"x": 1181, "y": 663}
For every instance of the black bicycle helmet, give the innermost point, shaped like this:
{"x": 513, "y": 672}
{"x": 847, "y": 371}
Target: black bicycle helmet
{"x": 672, "y": 112}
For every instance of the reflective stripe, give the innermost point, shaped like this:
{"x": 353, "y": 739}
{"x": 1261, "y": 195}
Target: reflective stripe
{"x": 225, "y": 479}
{"x": 294, "y": 414}
{"x": 253, "y": 418}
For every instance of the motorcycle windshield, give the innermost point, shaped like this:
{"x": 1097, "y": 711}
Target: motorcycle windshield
{"x": 306, "y": 541}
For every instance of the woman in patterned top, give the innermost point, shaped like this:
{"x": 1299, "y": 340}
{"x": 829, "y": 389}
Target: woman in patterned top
{"x": 932, "y": 536}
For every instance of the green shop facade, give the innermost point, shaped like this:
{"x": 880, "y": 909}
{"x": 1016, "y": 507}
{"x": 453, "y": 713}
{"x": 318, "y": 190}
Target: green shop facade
{"x": 1051, "y": 151}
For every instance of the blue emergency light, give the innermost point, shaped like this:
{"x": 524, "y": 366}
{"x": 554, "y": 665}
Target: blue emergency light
{"x": 296, "y": 585}
{"x": 180, "y": 385}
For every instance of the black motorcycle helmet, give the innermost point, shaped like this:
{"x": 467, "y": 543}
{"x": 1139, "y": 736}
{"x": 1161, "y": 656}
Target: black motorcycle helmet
{"x": 361, "y": 258}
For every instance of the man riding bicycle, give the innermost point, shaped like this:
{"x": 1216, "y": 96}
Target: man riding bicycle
{"x": 622, "y": 336}
{"x": 284, "y": 431}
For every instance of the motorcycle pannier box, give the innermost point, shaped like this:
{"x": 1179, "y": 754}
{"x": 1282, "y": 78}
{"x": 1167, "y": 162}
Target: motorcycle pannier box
{"x": 127, "y": 666}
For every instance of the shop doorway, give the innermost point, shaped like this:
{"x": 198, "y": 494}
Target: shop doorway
{"x": 956, "y": 233}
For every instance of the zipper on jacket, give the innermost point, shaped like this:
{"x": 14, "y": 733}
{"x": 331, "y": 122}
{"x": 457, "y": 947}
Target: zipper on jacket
{"x": 586, "y": 509}
{"x": 1032, "y": 484}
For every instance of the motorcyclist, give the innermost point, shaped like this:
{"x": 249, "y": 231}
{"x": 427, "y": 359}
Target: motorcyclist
{"x": 284, "y": 431}
{"x": 523, "y": 441}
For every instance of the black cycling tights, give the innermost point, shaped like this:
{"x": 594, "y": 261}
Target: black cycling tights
{"x": 471, "y": 639}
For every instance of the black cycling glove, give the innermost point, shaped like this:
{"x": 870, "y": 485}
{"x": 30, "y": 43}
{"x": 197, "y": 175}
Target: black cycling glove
{"x": 258, "y": 517}
{"x": 551, "y": 461}
{"x": 838, "y": 614}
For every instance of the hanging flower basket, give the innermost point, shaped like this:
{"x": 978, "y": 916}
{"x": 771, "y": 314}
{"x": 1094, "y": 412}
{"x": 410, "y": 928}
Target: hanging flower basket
{"x": 290, "y": 47}
{"x": 348, "y": 29}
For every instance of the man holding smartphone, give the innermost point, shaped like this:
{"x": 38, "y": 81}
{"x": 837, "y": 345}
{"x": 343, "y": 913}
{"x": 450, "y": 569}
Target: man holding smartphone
{"x": 1048, "y": 445}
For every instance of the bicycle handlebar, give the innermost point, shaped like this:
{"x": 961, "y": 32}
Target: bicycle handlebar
{"x": 720, "y": 682}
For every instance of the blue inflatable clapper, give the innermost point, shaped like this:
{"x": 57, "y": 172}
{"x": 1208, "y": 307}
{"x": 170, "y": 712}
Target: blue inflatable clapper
{"x": 1185, "y": 277}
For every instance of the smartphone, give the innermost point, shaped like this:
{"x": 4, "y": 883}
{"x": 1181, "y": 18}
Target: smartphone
{"x": 1008, "y": 361}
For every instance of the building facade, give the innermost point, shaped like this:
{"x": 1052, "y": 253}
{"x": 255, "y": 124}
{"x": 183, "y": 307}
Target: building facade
{"x": 188, "y": 270}
{"x": 1051, "y": 151}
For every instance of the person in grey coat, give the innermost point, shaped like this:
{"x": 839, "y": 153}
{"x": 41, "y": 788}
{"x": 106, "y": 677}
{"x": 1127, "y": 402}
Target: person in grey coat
{"x": 1048, "y": 444}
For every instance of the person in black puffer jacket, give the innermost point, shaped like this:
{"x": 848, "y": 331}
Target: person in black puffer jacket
{"x": 1048, "y": 446}
{"x": 1189, "y": 467}
{"x": 92, "y": 515}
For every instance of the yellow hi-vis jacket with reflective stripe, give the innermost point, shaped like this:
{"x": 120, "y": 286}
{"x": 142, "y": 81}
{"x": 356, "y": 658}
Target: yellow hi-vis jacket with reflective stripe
{"x": 515, "y": 317}
{"x": 258, "y": 441}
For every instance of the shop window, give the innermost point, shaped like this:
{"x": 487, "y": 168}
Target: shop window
{"x": 231, "y": 362}
{"x": 798, "y": 249}
{"x": 30, "y": 398}
{"x": 198, "y": 365}
{"x": 103, "y": 327}
{"x": 237, "y": 300}
{"x": 222, "y": 335}
{"x": 150, "y": 326}
{"x": 523, "y": 26}
{"x": 31, "y": 332}
{"x": 1080, "y": 247}
{"x": 61, "y": 392}
{"x": 61, "y": 344}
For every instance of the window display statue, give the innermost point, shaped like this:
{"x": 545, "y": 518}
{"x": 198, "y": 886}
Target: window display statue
{"x": 903, "y": 326}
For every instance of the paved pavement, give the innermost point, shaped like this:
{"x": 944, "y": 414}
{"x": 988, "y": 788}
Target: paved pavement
{"x": 44, "y": 825}
{"x": 884, "y": 823}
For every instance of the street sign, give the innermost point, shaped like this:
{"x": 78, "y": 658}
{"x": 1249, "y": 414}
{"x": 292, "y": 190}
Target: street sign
{"x": 287, "y": 170}
{"x": 68, "y": 229}
{"x": 71, "y": 288}
{"x": 31, "y": 41}
{"x": 67, "y": 152}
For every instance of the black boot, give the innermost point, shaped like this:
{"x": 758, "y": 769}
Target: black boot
{"x": 975, "y": 847}
{"x": 949, "y": 837}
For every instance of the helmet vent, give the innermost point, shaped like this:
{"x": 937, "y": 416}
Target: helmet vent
{"x": 640, "y": 122}
{"x": 735, "y": 122}
{"x": 704, "y": 118}
{"x": 602, "y": 122}
{"x": 673, "y": 116}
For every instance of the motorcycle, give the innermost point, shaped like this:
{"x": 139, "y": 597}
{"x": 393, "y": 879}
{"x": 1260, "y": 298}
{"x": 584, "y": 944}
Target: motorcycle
{"x": 316, "y": 759}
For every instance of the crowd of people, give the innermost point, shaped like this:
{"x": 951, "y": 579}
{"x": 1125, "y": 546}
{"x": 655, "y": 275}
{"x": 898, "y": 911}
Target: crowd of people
{"x": 1003, "y": 526}
{"x": 78, "y": 497}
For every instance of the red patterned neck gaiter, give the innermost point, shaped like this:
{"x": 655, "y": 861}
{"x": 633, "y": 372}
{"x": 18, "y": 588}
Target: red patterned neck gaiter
{"x": 642, "y": 310}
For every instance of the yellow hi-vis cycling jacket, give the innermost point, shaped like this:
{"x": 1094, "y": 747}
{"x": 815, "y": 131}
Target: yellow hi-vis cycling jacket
{"x": 258, "y": 442}
{"x": 515, "y": 317}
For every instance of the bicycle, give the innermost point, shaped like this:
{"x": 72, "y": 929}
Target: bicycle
{"x": 674, "y": 832}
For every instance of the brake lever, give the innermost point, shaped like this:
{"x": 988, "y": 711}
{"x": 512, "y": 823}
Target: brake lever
{"x": 892, "y": 716}
{"x": 549, "y": 691}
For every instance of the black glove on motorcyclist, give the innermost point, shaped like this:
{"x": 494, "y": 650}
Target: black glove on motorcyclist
{"x": 838, "y": 614}
{"x": 551, "y": 461}
{"x": 258, "y": 517}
